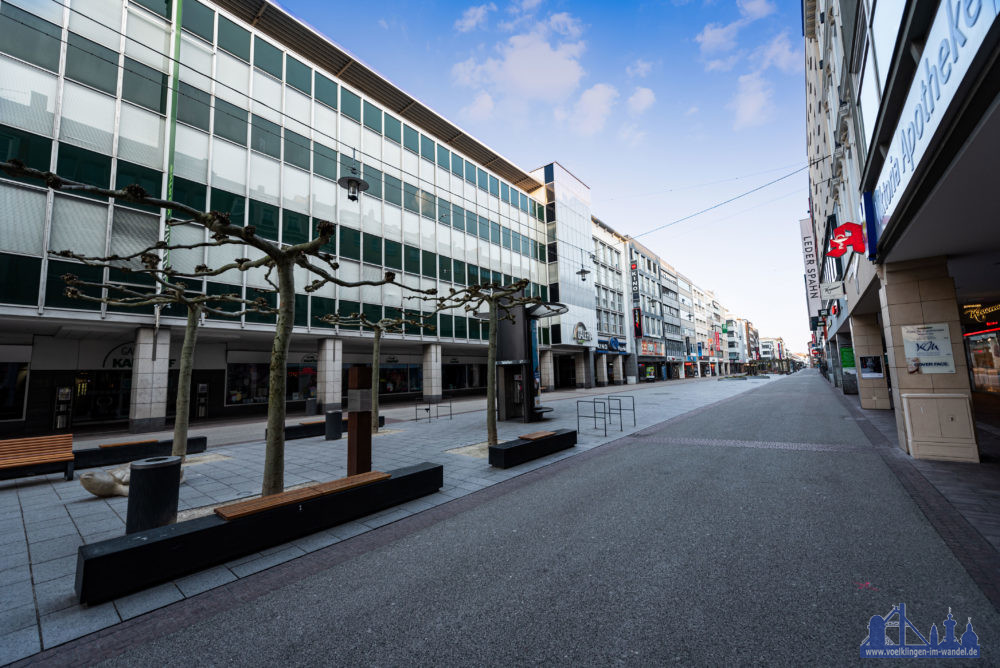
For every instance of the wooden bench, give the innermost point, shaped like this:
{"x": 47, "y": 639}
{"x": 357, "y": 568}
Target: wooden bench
{"x": 311, "y": 422}
{"x": 35, "y": 455}
{"x": 118, "y": 445}
{"x": 535, "y": 435}
{"x": 244, "y": 508}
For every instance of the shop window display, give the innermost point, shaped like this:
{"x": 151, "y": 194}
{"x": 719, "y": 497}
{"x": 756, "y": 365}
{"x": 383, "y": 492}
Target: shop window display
{"x": 247, "y": 383}
{"x": 13, "y": 385}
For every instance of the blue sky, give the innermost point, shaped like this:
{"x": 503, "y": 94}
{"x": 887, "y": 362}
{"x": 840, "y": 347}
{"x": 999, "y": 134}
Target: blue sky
{"x": 662, "y": 108}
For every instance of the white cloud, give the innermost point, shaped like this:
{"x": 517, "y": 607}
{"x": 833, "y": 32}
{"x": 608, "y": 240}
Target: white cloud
{"x": 718, "y": 38}
{"x": 481, "y": 108}
{"x": 566, "y": 25}
{"x": 691, "y": 111}
{"x": 631, "y": 134}
{"x": 530, "y": 66}
{"x": 383, "y": 24}
{"x": 474, "y": 17}
{"x": 755, "y": 9}
{"x": 593, "y": 108}
{"x": 640, "y": 68}
{"x": 641, "y": 100}
{"x": 752, "y": 104}
{"x": 525, "y": 5}
{"x": 722, "y": 64}
{"x": 779, "y": 53}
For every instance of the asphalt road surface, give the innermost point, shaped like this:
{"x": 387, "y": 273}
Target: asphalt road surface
{"x": 765, "y": 529}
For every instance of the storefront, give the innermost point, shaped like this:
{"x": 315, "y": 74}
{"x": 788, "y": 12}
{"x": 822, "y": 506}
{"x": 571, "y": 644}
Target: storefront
{"x": 652, "y": 360}
{"x": 981, "y": 333}
{"x": 609, "y": 361}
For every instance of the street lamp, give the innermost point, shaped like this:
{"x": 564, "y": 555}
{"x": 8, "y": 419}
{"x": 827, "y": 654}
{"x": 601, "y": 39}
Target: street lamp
{"x": 353, "y": 183}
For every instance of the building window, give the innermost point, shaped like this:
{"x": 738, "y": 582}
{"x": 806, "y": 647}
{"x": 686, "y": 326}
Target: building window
{"x": 350, "y": 243}
{"x": 29, "y": 38}
{"x": 326, "y": 91}
{"x": 350, "y": 104}
{"x": 234, "y": 39}
{"x": 230, "y": 122}
{"x": 247, "y": 383}
{"x": 265, "y": 137}
{"x": 91, "y": 64}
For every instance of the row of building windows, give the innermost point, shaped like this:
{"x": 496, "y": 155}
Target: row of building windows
{"x": 610, "y": 323}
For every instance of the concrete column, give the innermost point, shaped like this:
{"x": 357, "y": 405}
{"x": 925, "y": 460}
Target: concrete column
{"x": 548, "y": 371}
{"x": 680, "y": 370}
{"x": 867, "y": 337}
{"x": 933, "y": 410}
{"x": 581, "y": 369}
{"x": 631, "y": 370}
{"x": 601, "y": 366}
{"x": 432, "y": 372}
{"x": 329, "y": 370}
{"x": 617, "y": 371}
{"x": 150, "y": 369}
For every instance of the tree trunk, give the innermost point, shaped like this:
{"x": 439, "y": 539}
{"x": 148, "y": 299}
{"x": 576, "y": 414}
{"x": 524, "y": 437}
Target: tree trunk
{"x": 491, "y": 379}
{"x": 376, "y": 343}
{"x": 185, "y": 366}
{"x": 274, "y": 454}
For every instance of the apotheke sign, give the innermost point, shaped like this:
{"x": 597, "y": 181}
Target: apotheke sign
{"x": 952, "y": 42}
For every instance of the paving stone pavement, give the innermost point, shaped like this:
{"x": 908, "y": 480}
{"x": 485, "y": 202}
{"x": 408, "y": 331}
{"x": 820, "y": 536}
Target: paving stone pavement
{"x": 44, "y": 519}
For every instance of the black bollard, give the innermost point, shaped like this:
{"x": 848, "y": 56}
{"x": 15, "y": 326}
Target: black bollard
{"x": 334, "y": 425}
{"x": 154, "y": 485}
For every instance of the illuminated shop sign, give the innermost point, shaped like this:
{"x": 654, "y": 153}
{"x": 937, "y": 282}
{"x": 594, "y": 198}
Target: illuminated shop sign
{"x": 848, "y": 235}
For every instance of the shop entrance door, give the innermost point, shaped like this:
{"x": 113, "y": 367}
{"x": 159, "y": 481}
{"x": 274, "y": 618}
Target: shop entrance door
{"x": 565, "y": 371}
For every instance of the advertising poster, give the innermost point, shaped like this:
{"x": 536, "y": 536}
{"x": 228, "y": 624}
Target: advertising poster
{"x": 871, "y": 366}
{"x": 928, "y": 348}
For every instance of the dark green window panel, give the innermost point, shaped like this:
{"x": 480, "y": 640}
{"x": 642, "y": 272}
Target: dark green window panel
{"x": 426, "y": 148}
{"x": 484, "y": 331}
{"x": 525, "y": 246}
{"x": 29, "y": 38}
{"x": 393, "y": 129}
{"x": 325, "y": 161}
{"x": 457, "y": 165}
{"x": 144, "y": 86}
{"x": 350, "y": 243}
{"x": 545, "y": 335}
{"x": 190, "y": 193}
{"x": 372, "y": 312}
{"x": 199, "y": 19}
{"x": 415, "y": 316}
{"x": 459, "y": 272}
{"x": 227, "y": 202}
{"x": 269, "y": 297}
{"x": 331, "y": 245}
{"x": 374, "y": 179}
{"x": 265, "y": 136}
{"x": 495, "y": 233}
{"x": 32, "y": 150}
{"x": 540, "y": 213}
{"x": 524, "y": 202}
{"x": 471, "y": 223}
{"x": 473, "y": 274}
{"x": 301, "y": 310}
{"x": 267, "y": 57}
{"x": 411, "y": 139}
{"x": 55, "y": 286}
{"x": 484, "y": 228}
{"x": 294, "y": 227}
{"x": 505, "y": 237}
{"x": 349, "y": 311}
{"x": 457, "y": 217}
{"x": 297, "y": 150}
{"x": 494, "y": 186}
{"x": 161, "y": 7}
{"x": 427, "y": 208}
{"x": 350, "y": 104}
{"x": 473, "y": 328}
{"x": 326, "y": 91}
{"x": 444, "y": 211}
{"x": 322, "y": 306}
{"x": 149, "y": 179}
{"x": 224, "y": 289}
{"x": 372, "y": 248}
{"x": 443, "y": 157}
{"x": 470, "y": 172}
{"x": 411, "y": 260}
{"x": 505, "y": 192}
{"x": 92, "y": 64}
{"x": 482, "y": 179}
{"x": 298, "y": 75}
{"x": 393, "y": 313}
{"x": 444, "y": 268}
{"x": 234, "y": 39}
{"x": 461, "y": 327}
{"x": 429, "y": 265}
{"x": 230, "y": 122}
{"x": 545, "y": 295}
{"x": 515, "y": 241}
{"x": 194, "y": 106}
{"x": 393, "y": 190}
{"x": 264, "y": 219}
{"x": 411, "y": 198}
{"x": 446, "y": 327}
{"x": 373, "y": 117}
{"x": 20, "y": 277}
{"x": 349, "y": 165}
{"x": 533, "y": 249}
{"x": 542, "y": 253}
{"x": 393, "y": 254}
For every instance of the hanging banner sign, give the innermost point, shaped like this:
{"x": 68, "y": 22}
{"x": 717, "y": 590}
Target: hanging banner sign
{"x": 637, "y": 322}
{"x": 812, "y": 266}
{"x": 833, "y": 290}
{"x": 928, "y": 348}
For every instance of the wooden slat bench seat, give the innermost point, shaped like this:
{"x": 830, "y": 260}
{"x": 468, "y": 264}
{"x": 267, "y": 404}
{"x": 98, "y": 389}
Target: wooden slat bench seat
{"x": 535, "y": 435}
{"x": 35, "y": 455}
{"x": 309, "y": 422}
{"x": 244, "y": 508}
{"x": 117, "y": 445}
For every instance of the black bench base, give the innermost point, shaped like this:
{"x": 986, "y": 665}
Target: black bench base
{"x": 66, "y": 468}
{"x": 519, "y": 451}
{"x": 93, "y": 457}
{"x": 120, "y": 566}
{"x": 318, "y": 428}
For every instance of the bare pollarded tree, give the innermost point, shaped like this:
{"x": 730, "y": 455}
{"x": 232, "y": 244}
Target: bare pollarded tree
{"x": 278, "y": 259}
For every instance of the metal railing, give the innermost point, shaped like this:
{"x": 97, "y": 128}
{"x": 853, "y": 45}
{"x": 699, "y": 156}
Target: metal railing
{"x": 431, "y": 409}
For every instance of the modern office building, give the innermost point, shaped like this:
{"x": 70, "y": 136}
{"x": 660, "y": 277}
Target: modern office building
{"x": 647, "y": 312}
{"x": 613, "y": 340}
{"x": 903, "y": 117}
{"x": 736, "y": 344}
